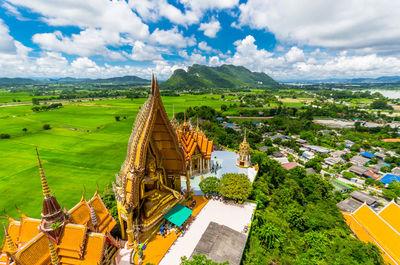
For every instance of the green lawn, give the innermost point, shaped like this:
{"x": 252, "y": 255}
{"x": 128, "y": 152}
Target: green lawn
{"x": 71, "y": 158}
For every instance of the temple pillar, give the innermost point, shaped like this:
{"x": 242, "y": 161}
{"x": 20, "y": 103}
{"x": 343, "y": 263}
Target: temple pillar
{"x": 187, "y": 181}
{"x": 201, "y": 165}
{"x": 129, "y": 229}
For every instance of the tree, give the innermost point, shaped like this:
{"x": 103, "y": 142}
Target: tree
{"x": 209, "y": 185}
{"x": 24, "y": 129}
{"x": 200, "y": 260}
{"x": 117, "y": 118}
{"x": 46, "y": 127}
{"x": 4, "y": 136}
{"x": 355, "y": 148}
{"x": 224, "y": 107}
{"x": 235, "y": 186}
{"x": 380, "y": 104}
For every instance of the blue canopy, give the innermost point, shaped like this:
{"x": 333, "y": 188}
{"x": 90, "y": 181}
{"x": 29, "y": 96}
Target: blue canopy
{"x": 367, "y": 155}
{"x": 389, "y": 178}
{"x": 178, "y": 214}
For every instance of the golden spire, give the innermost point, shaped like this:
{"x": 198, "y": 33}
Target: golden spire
{"x": 55, "y": 260}
{"x": 245, "y": 132}
{"x": 11, "y": 247}
{"x": 197, "y": 127}
{"x": 83, "y": 194}
{"x": 173, "y": 111}
{"x": 45, "y": 186}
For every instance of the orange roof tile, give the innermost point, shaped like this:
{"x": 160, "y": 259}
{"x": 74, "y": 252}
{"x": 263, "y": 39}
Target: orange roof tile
{"x": 29, "y": 229}
{"x": 105, "y": 221}
{"x": 391, "y": 214}
{"x": 73, "y": 237}
{"x": 80, "y": 213}
{"x": 35, "y": 252}
{"x": 382, "y": 233}
{"x": 95, "y": 241}
{"x": 391, "y": 140}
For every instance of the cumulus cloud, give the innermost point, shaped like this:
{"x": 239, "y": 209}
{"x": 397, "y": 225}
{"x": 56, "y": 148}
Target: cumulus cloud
{"x": 154, "y": 10}
{"x": 204, "y": 47}
{"x": 211, "y": 28}
{"x": 172, "y": 37}
{"x": 334, "y": 24}
{"x": 111, "y": 16}
{"x": 6, "y": 41}
{"x": 194, "y": 58}
{"x": 294, "y": 55}
{"x": 13, "y": 11}
{"x": 87, "y": 43}
{"x": 143, "y": 52}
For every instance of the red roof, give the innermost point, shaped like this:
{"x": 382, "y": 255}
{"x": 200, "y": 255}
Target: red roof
{"x": 290, "y": 165}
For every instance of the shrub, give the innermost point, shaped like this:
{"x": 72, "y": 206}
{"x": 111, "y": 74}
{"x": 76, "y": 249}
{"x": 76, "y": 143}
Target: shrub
{"x": 235, "y": 186}
{"x": 209, "y": 185}
{"x": 5, "y": 136}
{"x": 117, "y": 118}
{"x": 46, "y": 127}
{"x": 24, "y": 129}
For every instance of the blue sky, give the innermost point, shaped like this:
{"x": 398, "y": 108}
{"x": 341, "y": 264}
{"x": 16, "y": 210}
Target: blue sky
{"x": 287, "y": 39}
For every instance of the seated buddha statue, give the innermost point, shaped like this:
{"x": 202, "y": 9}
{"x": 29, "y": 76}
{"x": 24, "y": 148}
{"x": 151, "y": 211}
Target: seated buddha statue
{"x": 155, "y": 194}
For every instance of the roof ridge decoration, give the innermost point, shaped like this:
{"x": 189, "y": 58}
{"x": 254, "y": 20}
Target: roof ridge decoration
{"x": 11, "y": 247}
{"x": 55, "y": 260}
{"x": 45, "y": 185}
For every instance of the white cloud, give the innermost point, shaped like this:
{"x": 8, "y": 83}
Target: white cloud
{"x": 111, "y": 16}
{"x": 12, "y": 10}
{"x": 194, "y": 58}
{"x": 143, "y": 52}
{"x": 172, "y": 37}
{"x": 6, "y": 41}
{"x": 87, "y": 43}
{"x": 294, "y": 55}
{"x": 154, "y": 10}
{"x": 204, "y": 47}
{"x": 333, "y": 24}
{"x": 214, "y": 61}
{"x": 211, "y": 28}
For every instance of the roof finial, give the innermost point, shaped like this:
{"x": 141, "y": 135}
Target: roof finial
{"x": 45, "y": 186}
{"x": 10, "y": 219}
{"x": 83, "y": 194}
{"x": 23, "y": 216}
{"x": 197, "y": 127}
{"x": 11, "y": 247}
{"x": 245, "y": 132}
{"x": 55, "y": 260}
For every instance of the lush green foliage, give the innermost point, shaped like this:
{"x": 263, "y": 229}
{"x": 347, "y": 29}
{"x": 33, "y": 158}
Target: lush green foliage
{"x": 210, "y": 185}
{"x": 200, "y": 260}
{"x": 297, "y": 221}
{"x": 380, "y": 104}
{"x": 225, "y": 76}
{"x": 235, "y": 186}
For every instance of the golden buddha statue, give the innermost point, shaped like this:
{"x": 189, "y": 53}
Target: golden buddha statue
{"x": 154, "y": 192}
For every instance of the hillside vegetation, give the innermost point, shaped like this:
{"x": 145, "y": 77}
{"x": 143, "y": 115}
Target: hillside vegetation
{"x": 224, "y": 76}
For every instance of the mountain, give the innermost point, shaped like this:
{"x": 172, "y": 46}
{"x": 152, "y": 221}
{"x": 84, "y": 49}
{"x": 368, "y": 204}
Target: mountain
{"x": 224, "y": 76}
{"x": 17, "y": 81}
{"x": 125, "y": 80}
{"x": 361, "y": 80}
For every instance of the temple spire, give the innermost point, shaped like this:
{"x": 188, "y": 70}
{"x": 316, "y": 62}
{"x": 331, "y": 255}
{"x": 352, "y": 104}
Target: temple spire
{"x": 45, "y": 185}
{"x": 245, "y": 134}
{"x": 197, "y": 126}
{"x": 55, "y": 260}
{"x": 93, "y": 216}
{"x": 11, "y": 247}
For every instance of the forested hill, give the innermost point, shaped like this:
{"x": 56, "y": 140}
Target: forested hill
{"x": 124, "y": 80}
{"x": 224, "y": 76}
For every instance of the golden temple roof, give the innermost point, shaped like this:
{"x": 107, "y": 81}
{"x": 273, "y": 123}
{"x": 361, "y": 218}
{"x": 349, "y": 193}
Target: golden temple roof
{"x": 151, "y": 125}
{"x": 382, "y": 229}
{"x": 78, "y": 243}
{"x": 193, "y": 139}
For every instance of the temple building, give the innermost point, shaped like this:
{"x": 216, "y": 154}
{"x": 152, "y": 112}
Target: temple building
{"x": 196, "y": 146}
{"x": 78, "y": 236}
{"x": 244, "y": 159}
{"x": 149, "y": 183}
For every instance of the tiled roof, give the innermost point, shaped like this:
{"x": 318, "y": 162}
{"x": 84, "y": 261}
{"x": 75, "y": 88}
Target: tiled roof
{"x": 377, "y": 228}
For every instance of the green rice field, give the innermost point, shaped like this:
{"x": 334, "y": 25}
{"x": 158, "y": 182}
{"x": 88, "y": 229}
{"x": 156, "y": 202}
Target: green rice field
{"x": 85, "y": 147}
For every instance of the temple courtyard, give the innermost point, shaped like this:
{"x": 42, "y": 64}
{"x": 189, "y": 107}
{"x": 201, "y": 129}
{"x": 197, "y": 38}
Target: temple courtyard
{"x": 231, "y": 219}
{"x": 226, "y": 161}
